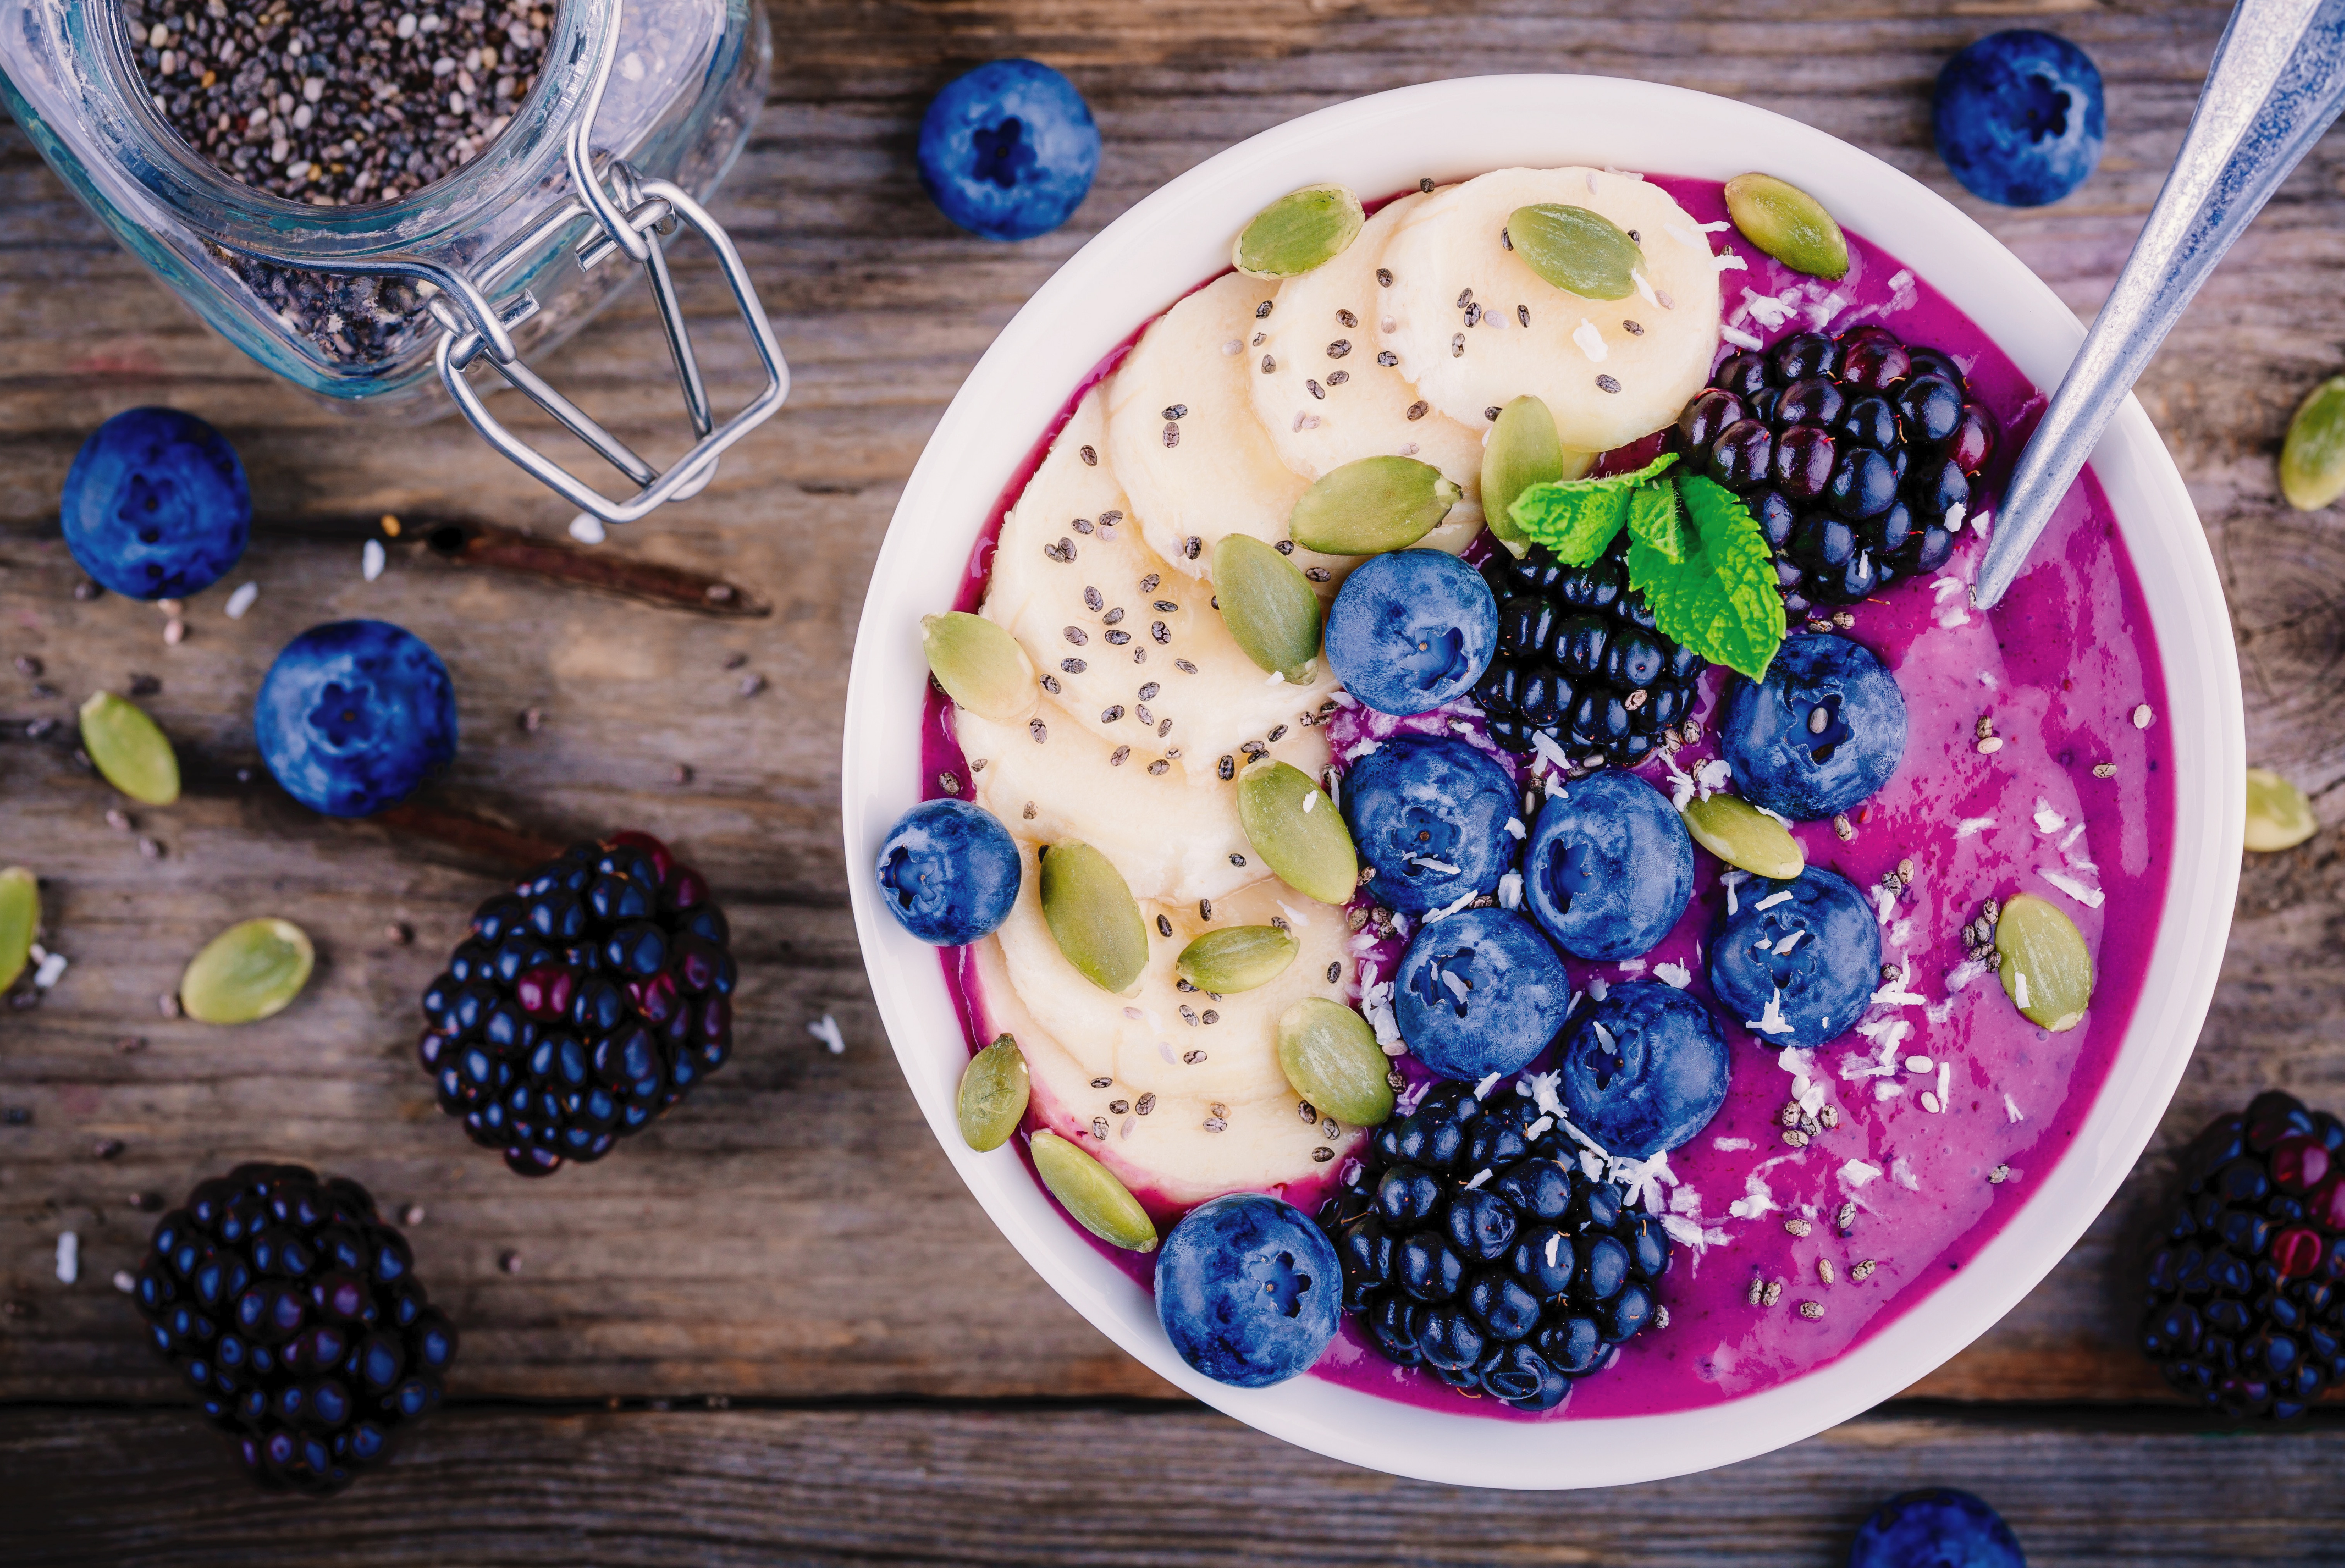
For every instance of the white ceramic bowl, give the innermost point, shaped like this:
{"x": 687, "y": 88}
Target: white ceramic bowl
{"x": 1179, "y": 237}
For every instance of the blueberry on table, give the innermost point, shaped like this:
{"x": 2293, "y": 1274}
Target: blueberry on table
{"x": 156, "y": 505}
{"x": 1823, "y": 731}
{"x": 1798, "y": 962}
{"x": 1939, "y": 1527}
{"x": 2018, "y": 117}
{"x": 1479, "y": 992}
{"x": 1645, "y": 1069}
{"x": 1412, "y": 630}
{"x": 354, "y": 715}
{"x": 1430, "y": 814}
{"x": 1009, "y": 150}
{"x": 1609, "y": 867}
{"x": 948, "y": 872}
{"x": 1248, "y": 1289}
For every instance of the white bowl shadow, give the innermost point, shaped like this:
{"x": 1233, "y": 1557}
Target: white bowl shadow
{"x": 1180, "y": 236}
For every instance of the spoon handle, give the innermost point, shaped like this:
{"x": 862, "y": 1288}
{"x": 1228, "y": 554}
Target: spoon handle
{"x": 2278, "y": 79}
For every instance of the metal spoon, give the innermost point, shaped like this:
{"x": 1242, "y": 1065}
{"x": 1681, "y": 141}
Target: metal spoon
{"x": 2278, "y": 79}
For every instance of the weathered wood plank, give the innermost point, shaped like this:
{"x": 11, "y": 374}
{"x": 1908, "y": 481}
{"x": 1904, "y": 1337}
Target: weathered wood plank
{"x": 784, "y": 1234}
{"x": 1134, "y": 1486}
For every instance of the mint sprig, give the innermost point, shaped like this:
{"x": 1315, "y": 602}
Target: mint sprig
{"x": 1695, "y": 552}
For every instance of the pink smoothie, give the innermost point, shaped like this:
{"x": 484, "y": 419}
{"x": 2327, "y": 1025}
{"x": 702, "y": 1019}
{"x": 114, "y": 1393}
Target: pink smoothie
{"x": 2065, "y": 669}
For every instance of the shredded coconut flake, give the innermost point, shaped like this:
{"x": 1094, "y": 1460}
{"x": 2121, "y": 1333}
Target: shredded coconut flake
{"x": 1733, "y": 1146}
{"x": 1510, "y": 890}
{"x": 1590, "y": 341}
{"x": 2047, "y": 821}
{"x": 2089, "y": 897}
{"x": 1970, "y": 825}
{"x": 1772, "y": 1022}
{"x": 1731, "y": 881}
{"x": 1675, "y": 975}
{"x": 69, "y": 1257}
{"x": 241, "y": 600}
{"x": 1855, "y": 1173}
{"x": 1515, "y": 829}
{"x": 826, "y": 1029}
{"x": 2011, "y": 1109}
{"x": 1728, "y": 261}
{"x": 371, "y": 561}
{"x": 1739, "y": 338}
{"x": 1772, "y": 900}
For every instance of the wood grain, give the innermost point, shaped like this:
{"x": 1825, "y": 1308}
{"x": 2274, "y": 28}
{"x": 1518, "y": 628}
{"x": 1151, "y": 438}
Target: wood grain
{"x": 1124, "y": 1487}
{"x": 792, "y": 1232}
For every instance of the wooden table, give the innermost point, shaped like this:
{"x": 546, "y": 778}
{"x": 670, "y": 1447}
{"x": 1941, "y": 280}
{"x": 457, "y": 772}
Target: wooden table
{"x": 775, "y": 1329}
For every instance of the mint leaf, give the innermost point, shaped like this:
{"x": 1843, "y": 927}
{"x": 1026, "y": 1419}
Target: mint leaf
{"x": 1577, "y": 518}
{"x": 1720, "y": 600}
{"x": 1654, "y": 520}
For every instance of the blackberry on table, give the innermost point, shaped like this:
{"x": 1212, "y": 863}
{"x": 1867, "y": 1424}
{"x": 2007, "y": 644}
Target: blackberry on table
{"x": 1581, "y": 661}
{"x": 1486, "y": 1254}
{"x": 294, "y": 1312}
{"x": 2246, "y": 1288}
{"x": 586, "y": 1002}
{"x": 1859, "y": 455}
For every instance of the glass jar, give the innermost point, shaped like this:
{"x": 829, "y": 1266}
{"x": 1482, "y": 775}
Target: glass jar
{"x": 638, "y": 110}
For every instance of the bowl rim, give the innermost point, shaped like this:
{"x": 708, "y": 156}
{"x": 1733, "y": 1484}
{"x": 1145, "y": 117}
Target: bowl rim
{"x": 1160, "y": 249}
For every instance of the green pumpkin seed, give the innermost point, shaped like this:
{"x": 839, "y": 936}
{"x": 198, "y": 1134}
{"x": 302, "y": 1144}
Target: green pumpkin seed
{"x": 1268, "y": 606}
{"x": 980, "y": 664}
{"x": 249, "y": 972}
{"x": 1093, "y": 916}
{"x": 2312, "y": 461}
{"x": 1788, "y": 224}
{"x": 1298, "y": 831}
{"x": 2045, "y": 969}
{"x": 1579, "y": 251}
{"x": 1371, "y": 506}
{"x": 1741, "y": 835}
{"x": 1090, "y": 1192}
{"x": 1301, "y": 230}
{"x": 1237, "y": 958}
{"x": 1330, "y": 1056}
{"x": 1523, "y": 451}
{"x": 994, "y": 1089}
{"x": 2278, "y": 816}
{"x": 20, "y": 917}
{"x": 131, "y": 752}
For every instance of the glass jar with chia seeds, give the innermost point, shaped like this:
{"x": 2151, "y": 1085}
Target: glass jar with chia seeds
{"x": 388, "y": 200}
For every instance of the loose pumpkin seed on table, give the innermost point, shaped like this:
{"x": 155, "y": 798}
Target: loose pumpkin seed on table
{"x": 20, "y": 919}
{"x": 2278, "y": 816}
{"x": 1331, "y": 1059}
{"x": 1298, "y": 831}
{"x": 249, "y": 972}
{"x": 1268, "y": 606}
{"x": 1092, "y": 1193}
{"x": 1788, "y": 224}
{"x": 1237, "y": 958}
{"x": 1371, "y": 505}
{"x": 129, "y": 750}
{"x": 994, "y": 1090}
{"x": 1092, "y": 916}
{"x": 2313, "y": 459}
{"x": 1301, "y": 230}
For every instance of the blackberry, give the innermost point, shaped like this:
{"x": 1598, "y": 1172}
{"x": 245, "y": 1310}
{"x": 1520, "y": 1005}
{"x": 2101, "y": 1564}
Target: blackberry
{"x": 2247, "y": 1287}
{"x": 1481, "y": 1251}
{"x": 586, "y": 1002}
{"x": 1581, "y": 661}
{"x": 1859, "y": 456}
{"x": 294, "y": 1312}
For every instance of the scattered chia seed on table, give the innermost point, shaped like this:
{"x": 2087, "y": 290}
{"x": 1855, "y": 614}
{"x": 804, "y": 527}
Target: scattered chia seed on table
{"x": 338, "y": 103}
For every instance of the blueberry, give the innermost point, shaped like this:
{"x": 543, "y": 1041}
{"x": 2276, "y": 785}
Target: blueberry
{"x": 1430, "y": 814}
{"x": 1412, "y": 630}
{"x": 1645, "y": 1069}
{"x": 1824, "y": 730}
{"x": 1816, "y": 956}
{"x": 1940, "y": 1528}
{"x": 1479, "y": 992}
{"x": 354, "y": 715}
{"x": 1248, "y": 1289}
{"x": 155, "y": 504}
{"x": 2018, "y": 117}
{"x": 1009, "y": 150}
{"x": 950, "y": 872}
{"x": 1608, "y": 867}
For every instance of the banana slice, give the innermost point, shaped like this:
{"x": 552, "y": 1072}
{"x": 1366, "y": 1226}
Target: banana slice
{"x": 1474, "y": 327}
{"x": 1182, "y": 436}
{"x": 1138, "y": 653}
{"x": 1173, "y": 841}
{"x": 1319, "y": 386}
{"x": 1226, "y": 1070}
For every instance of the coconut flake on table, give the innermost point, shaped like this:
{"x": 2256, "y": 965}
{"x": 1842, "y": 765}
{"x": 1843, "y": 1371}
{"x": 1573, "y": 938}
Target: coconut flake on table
{"x": 241, "y": 600}
{"x": 370, "y": 560}
{"x": 2091, "y": 897}
{"x": 48, "y": 968}
{"x": 69, "y": 1257}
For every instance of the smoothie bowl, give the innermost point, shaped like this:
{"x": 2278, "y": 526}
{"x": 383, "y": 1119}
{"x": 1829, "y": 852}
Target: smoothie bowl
{"x": 1519, "y": 929}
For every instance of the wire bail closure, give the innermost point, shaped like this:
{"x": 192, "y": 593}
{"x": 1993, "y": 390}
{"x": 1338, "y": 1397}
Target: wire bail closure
{"x": 630, "y": 218}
